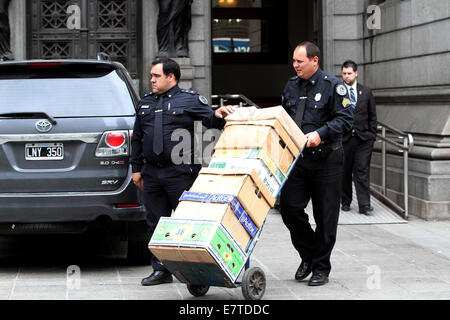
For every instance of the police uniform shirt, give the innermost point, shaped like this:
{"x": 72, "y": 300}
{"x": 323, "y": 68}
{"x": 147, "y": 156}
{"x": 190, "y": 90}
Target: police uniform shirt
{"x": 180, "y": 109}
{"x": 327, "y": 110}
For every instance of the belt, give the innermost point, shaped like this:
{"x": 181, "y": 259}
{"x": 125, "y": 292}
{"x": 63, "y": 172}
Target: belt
{"x": 158, "y": 164}
{"x": 334, "y": 145}
{"x": 324, "y": 148}
{"x": 161, "y": 165}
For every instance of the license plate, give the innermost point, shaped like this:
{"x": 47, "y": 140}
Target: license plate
{"x": 44, "y": 151}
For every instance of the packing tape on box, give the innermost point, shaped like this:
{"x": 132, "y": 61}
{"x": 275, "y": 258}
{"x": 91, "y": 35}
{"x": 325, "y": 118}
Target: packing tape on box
{"x": 238, "y": 210}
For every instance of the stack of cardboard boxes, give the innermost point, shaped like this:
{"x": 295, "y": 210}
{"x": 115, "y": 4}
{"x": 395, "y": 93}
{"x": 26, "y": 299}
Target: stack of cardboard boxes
{"x": 212, "y": 232}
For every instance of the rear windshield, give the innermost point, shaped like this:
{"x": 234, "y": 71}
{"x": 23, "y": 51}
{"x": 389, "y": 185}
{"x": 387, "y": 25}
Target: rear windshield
{"x": 105, "y": 95}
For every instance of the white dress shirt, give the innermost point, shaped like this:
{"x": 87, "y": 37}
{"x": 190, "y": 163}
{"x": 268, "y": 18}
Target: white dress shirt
{"x": 354, "y": 90}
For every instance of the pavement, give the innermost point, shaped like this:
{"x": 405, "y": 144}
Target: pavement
{"x": 369, "y": 262}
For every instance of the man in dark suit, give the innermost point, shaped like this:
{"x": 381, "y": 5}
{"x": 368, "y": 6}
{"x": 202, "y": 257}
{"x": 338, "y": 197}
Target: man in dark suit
{"x": 358, "y": 143}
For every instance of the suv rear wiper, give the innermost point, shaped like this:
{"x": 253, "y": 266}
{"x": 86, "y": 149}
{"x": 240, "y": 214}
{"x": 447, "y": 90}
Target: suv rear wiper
{"x": 28, "y": 115}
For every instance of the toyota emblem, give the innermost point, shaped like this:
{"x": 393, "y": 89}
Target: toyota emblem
{"x": 43, "y": 125}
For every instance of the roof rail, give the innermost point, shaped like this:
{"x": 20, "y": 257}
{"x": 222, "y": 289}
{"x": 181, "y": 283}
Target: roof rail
{"x": 101, "y": 56}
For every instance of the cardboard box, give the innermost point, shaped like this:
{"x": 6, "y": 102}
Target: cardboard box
{"x": 244, "y": 184}
{"x": 181, "y": 243}
{"x": 266, "y": 176}
{"x": 267, "y": 134}
{"x": 251, "y": 154}
{"x": 222, "y": 207}
{"x": 278, "y": 113}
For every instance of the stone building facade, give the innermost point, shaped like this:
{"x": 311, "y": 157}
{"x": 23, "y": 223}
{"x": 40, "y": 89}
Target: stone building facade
{"x": 404, "y": 57}
{"x": 407, "y": 64}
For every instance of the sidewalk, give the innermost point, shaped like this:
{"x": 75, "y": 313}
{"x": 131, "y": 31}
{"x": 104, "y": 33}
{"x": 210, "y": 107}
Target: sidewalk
{"x": 382, "y": 261}
{"x": 369, "y": 262}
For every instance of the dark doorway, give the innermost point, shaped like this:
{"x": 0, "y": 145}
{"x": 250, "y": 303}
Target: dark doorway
{"x": 252, "y": 44}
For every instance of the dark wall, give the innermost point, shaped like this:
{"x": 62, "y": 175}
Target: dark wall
{"x": 264, "y": 81}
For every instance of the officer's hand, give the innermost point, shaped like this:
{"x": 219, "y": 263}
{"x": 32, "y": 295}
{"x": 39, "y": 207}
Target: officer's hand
{"x": 137, "y": 180}
{"x": 222, "y": 112}
{"x": 313, "y": 139}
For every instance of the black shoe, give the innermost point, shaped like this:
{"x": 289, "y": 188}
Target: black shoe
{"x": 365, "y": 210}
{"x": 318, "y": 279}
{"x": 345, "y": 207}
{"x": 303, "y": 271}
{"x": 157, "y": 277}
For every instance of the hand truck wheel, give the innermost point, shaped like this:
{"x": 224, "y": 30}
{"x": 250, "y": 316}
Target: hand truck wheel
{"x": 197, "y": 290}
{"x": 253, "y": 284}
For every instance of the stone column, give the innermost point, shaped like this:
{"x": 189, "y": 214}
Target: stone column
{"x": 149, "y": 41}
{"x": 196, "y": 69}
{"x": 17, "y": 22}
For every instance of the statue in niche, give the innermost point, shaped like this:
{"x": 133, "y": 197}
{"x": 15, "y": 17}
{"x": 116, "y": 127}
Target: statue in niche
{"x": 5, "y": 32}
{"x": 174, "y": 23}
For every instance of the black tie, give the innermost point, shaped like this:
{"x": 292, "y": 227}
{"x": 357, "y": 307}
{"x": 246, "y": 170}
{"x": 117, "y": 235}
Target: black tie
{"x": 158, "y": 130}
{"x": 301, "y": 105}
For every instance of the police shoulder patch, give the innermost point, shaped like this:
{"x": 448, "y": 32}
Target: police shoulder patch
{"x": 203, "y": 100}
{"x": 346, "y": 102}
{"x": 341, "y": 90}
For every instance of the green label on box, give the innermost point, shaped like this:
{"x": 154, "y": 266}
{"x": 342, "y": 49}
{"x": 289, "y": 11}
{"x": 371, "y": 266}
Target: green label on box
{"x": 177, "y": 231}
{"x": 210, "y": 235}
{"x": 227, "y": 252}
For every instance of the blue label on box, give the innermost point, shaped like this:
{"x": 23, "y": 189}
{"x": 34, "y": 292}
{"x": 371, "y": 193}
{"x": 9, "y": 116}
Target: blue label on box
{"x": 238, "y": 210}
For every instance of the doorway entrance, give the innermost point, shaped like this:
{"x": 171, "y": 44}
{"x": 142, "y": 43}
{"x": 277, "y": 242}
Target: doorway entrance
{"x": 80, "y": 29}
{"x": 253, "y": 41}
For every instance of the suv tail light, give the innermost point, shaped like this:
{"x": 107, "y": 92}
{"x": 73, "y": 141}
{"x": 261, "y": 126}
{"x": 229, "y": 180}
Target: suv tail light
{"x": 113, "y": 143}
{"x": 115, "y": 139}
{"x": 43, "y": 64}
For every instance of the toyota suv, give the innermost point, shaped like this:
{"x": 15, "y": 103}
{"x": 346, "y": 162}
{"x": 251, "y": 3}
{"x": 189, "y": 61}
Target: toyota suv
{"x": 65, "y": 132}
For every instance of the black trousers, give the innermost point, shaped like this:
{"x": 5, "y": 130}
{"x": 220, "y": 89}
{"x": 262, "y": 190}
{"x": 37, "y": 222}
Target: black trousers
{"x": 319, "y": 181}
{"x": 357, "y": 155}
{"x": 163, "y": 188}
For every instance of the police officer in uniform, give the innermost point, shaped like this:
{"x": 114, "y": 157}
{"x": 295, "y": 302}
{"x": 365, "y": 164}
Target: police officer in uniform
{"x": 155, "y": 169}
{"x": 319, "y": 104}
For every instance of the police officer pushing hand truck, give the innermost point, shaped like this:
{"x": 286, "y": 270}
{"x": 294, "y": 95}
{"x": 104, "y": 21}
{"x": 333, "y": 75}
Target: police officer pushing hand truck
{"x": 166, "y": 109}
{"x": 319, "y": 104}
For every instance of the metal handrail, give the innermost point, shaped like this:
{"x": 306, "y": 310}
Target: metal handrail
{"x": 224, "y": 97}
{"x": 404, "y": 148}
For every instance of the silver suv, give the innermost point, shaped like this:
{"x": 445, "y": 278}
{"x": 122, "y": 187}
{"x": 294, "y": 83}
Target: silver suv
{"x": 65, "y": 132}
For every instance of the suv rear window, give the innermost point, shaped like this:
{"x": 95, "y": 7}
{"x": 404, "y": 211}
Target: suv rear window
{"x": 70, "y": 95}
